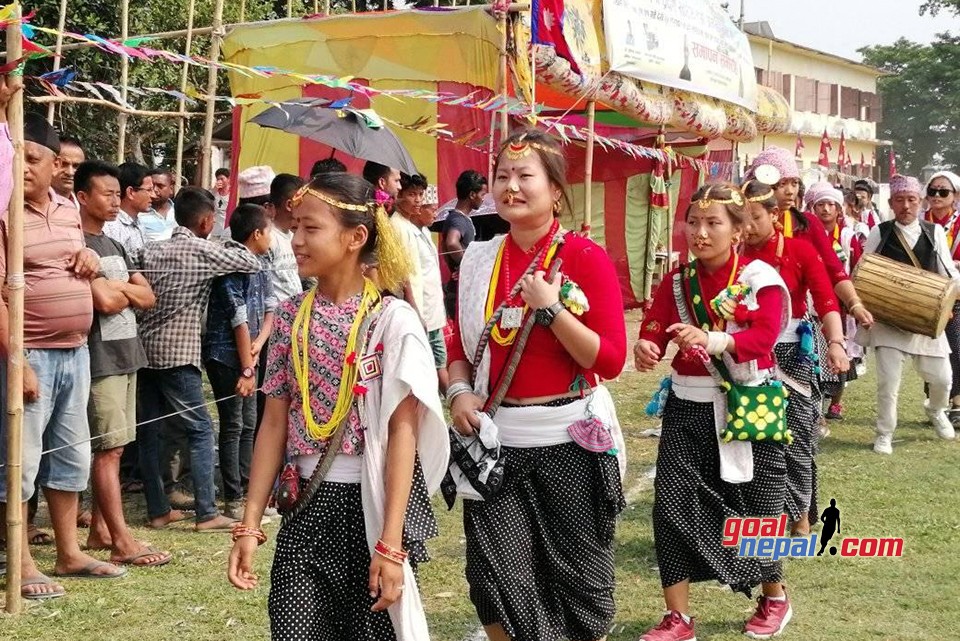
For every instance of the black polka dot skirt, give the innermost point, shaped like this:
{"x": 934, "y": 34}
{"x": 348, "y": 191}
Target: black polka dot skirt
{"x": 318, "y": 588}
{"x": 802, "y": 421}
{"x": 540, "y": 554}
{"x": 692, "y": 503}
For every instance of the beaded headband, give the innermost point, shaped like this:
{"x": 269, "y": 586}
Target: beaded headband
{"x": 520, "y": 148}
{"x": 736, "y": 198}
{"x": 307, "y": 189}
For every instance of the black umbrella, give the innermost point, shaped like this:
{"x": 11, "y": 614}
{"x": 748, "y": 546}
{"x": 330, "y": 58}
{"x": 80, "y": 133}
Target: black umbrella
{"x": 358, "y": 133}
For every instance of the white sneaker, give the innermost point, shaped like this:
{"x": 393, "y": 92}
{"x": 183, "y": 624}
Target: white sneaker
{"x": 883, "y": 444}
{"x": 943, "y": 427}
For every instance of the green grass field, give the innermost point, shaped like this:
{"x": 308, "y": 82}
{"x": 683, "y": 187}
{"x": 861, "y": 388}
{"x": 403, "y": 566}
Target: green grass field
{"x": 913, "y": 494}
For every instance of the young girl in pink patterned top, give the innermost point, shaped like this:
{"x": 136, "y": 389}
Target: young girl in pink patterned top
{"x": 353, "y": 370}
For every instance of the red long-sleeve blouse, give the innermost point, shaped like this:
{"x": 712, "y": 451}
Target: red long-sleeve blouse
{"x": 816, "y": 235}
{"x": 753, "y": 343}
{"x": 546, "y": 368}
{"x": 803, "y": 271}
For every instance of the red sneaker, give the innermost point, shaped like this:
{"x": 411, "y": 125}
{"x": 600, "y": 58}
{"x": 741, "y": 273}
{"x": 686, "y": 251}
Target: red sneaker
{"x": 769, "y": 620}
{"x": 671, "y": 628}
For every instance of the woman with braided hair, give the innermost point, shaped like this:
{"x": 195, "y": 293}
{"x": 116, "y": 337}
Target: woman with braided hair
{"x": 539, "y": 325}
{"x": 352, "y": 402}
{"x": 724, "y": 312}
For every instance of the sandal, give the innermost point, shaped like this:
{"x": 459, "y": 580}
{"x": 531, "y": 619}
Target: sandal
{"x": 88, "y": 572}
{"x": 36, "y": 536}
{"x": 40, "y": 596}
{"x": 145, "y": 552}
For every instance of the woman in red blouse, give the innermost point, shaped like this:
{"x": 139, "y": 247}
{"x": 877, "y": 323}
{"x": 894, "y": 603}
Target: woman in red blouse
{"x": 540, "y": 539}
{"x": 702, "y": 481}
{"x": 802, "y": 270}
{"x": 827, "y": 203}
{"x": 797, "y": 224}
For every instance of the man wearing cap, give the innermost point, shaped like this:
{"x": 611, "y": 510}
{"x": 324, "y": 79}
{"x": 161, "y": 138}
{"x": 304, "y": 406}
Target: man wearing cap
{"x": 868, "y": 213}
{"x": 253, "y": 186}
{"x": 58, "y": 311}
{"x": 909, "y": 240}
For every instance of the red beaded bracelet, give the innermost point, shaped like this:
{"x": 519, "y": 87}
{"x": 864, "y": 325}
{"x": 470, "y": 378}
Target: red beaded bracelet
{"x": 240, "y": 530}
{"x": 390, "y": 553}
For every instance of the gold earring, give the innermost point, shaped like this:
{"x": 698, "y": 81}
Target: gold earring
{"x": 556, "y": 207}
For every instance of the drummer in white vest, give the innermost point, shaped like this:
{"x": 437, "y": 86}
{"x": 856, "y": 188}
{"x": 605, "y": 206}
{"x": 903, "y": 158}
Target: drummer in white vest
{"x": 909, "y": 240}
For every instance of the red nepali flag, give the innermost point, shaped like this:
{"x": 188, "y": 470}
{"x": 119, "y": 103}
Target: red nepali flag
{"x": 893, "y": 162}
{"x": 547, "y": 29}
{"x": 863, "y": 165}
{"x": 842, "y": 152}
{"x": 825, "y": 147}
{"x": 799, "y": 147}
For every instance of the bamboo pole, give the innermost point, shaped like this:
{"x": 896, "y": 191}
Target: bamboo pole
{"x": 516, "y": 7}
{"x": 58, "y": 50}
{"x": 124, "y": 75}
{"x": 289, "y": 8}
{"x": 243, "y": 10}
{"x": 588, "y": 169}
{"x": 15, "y": 357}
{"x": 112, "y": 105}
{"x": 181, "y": 122}
{"x": 504, "y": 84}
{"x": 326, "y": 7}
{"x": 206, "y": 149}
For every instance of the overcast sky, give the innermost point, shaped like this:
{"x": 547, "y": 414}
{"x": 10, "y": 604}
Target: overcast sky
{"x": 843, "y": 26}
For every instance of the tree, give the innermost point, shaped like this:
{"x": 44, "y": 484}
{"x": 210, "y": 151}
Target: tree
{"x": 921, "y": 99}
{"x": 933, "y": 7}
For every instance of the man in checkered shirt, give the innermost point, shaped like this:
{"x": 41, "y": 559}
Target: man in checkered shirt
{"x": 181, "y": 271}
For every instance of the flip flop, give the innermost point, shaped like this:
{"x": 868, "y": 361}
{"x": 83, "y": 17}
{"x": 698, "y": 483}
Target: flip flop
{"x": 87, "y": 572}
{"x": 40, "y": 596}
{"x": 145, "y": 552}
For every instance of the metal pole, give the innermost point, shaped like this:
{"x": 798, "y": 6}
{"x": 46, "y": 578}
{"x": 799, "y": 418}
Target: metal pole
{"x": 182, "y": 123}
{"x": 588, "y": 169}
{"x": 15, "y": 356}
{"x": 62, "y": 24}
{"x": 124, "y": 74}
{"x": 742, "y": 13}
{"x": 206, "y": 150}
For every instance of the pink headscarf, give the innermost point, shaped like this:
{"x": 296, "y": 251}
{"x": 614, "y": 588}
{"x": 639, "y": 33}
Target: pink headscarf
{"x": 822, "y": 191}
{"x": 780, "y": 158}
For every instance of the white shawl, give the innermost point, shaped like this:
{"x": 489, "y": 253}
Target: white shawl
{"x": 476, "y": 271}
{"x": 405, "y": 367}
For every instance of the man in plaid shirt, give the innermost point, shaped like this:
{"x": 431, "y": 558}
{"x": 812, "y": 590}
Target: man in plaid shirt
{"x": 181, "y": 272}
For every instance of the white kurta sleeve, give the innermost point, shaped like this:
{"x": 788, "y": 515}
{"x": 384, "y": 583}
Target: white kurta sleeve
{"x": 873, "y": 241}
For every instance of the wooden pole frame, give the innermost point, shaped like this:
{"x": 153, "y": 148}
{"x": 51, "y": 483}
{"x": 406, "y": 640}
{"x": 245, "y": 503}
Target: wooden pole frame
{"x": 181, "y": 122}
{"x": 124, "y": 77}
{"x": 588, "y": 169}
{"x": 206, "y": 151}
{"x": 61, "y": 25}
{"x": 504, "y": 26}
{"x": 15, "y": 356}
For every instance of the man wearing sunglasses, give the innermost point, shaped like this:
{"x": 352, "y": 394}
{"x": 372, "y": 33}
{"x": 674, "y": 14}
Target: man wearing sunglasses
{"x": 942, "y": 210}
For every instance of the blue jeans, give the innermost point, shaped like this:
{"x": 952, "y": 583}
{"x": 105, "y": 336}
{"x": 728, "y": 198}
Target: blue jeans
{"x": 55, "y": 422}
{"x": 177, "y": 391}
{"x": 238, "y": 420}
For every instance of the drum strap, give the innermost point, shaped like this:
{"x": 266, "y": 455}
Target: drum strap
{"x": 908, "y": 248}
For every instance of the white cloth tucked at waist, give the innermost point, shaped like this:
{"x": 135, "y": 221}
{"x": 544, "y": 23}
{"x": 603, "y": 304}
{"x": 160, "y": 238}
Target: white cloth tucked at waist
{"x": 346, "y": 468}
{"x": 736, "y": 457}
{"x": 789, "y": 334}
{"x": 538, "y": 425}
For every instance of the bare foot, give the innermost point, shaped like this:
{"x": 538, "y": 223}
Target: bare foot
{"x": 800, "y": 528}
{"x": 173, "y": 516}
{"x": 96, "y": 542}
{"x": 219, "y": 523}
{"x": 84, "y": 519}
{"x": 143, "y": 556}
